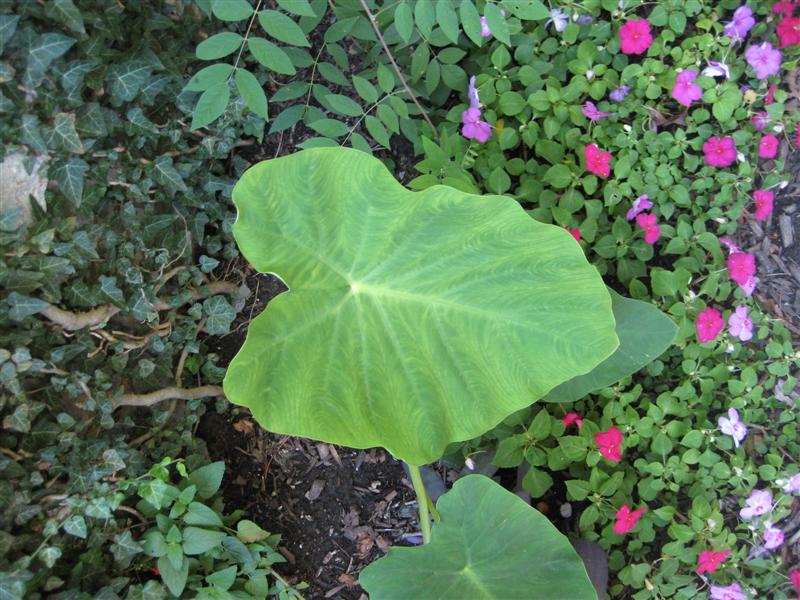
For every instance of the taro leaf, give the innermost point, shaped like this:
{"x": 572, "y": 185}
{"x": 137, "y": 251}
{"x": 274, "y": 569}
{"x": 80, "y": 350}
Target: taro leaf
{"x": 644, "y": 333}
{"x": 489, "y": 544}
{"x": 414, "y": 319}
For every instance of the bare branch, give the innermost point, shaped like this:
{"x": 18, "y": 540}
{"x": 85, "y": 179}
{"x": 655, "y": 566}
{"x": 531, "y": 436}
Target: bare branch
{"x": 169, "y": 393}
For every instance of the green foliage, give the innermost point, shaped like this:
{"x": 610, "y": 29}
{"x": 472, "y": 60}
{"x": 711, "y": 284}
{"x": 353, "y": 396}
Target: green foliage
{"x": 419, "y": 338}
{"x": 483, "y": 548}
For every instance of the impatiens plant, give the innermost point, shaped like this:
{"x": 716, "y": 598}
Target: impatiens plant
{"x": 415, "y": 320}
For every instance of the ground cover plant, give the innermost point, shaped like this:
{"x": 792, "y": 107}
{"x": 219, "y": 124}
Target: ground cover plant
{"x": 660, "y": 135}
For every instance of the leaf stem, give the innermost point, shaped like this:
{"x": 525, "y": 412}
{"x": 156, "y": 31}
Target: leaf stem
{"x": 246, "y": 36}
{"x": 422, "y": 502}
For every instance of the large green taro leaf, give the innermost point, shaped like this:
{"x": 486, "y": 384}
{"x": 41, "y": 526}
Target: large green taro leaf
{"x": 490, "y": 544}
{"x": 644, "y": 333}
{"x": 413, "y": 319}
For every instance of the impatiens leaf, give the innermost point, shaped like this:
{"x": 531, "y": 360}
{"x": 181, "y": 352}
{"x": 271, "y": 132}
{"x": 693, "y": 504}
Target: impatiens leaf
{"x": 489, "y": 544}
{"x": 644, "y": 333}
{"x": 414, "y": 319}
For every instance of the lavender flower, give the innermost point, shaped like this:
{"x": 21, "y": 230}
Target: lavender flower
{"x": 793, "y": 485}
{"x": 485, "y": 31}
{"x": 717, "y": 69}
{"x": 741, "y": 24}
{"x": 750, "y": 285}
{"x": 618, "y": 95}
{"x": 729, "y": 592}
{"x": 773, "y": 537}
{"x": 558, "y": 18}
{"x": 592, "y": 112}
{"x": 728, "y": 243}
{"x": 640, "y": 205}
{"x": 758, "y": 503}
{"x": 472, "y": 94}
{"x": 733, "y": 427}
{"x": 583, "y": 19}
{"x": 764, "y": 59}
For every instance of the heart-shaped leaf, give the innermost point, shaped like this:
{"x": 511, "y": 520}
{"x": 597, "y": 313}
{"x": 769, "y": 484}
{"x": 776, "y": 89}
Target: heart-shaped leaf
{"x": 489, "y": 544}
{"x": 414, "y": 319}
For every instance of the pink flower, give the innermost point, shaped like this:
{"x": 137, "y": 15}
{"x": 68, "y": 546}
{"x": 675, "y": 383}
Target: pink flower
{"x": 794, "y": 577}
{"x": 597, "y": 162}
{"x": 773, "y": 537}
{"x": 572, "y": 417}
{"x": 728, "y": 243}
{"x": 641, "y": 204}
{"x": 764, "y": 200}
{"x": 709, "y": 560}
{"x": 730, "y": 592}
{"x": 770, "y": 97}
{"x": 760, "y": 120}
{"x": 749, "y": 286}
{"x": 610, "y": 443}
{"x": 758, "y": 503}
{"x": 708, "y": 325}
{"x": 592, "y": 112}
{"x": 784, "y": 7}
{"x": 652, "y": 230}
{"x": 485, "y": 31}
{"x": 635, "y": 37}
{"x": 576, "y": 233}
{"x": 627, "y": 519}
{"x": 768, "y": 146}
{"x": 740, "y": 325}
{"x": 719, "y": 152}
{"x": 686, "y": 90}
{"x": 473, "y": 128}
{"x": 764, "y": 59}
{"x": 741, "y": 267}
{"x": 789, "y": 31}
{"x": 741, "y": 23}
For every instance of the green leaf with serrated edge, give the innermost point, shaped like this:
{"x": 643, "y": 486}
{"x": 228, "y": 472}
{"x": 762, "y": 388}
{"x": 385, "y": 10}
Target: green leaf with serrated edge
{"x": 8, "y": 25}
{"x": 484, "y": 547}
{"x": 231, "y": 10}
{"x": 344, "y": 105}
{"x": 251, "y": 92}
{"x": 271, "y": 56}
{"x": 209, "y": 76}
{"x": 644, "y": 333}
{"x": 497, "y": 23}
{"x": 166, "y": 175}
{"x": 70, "y": 176}
{"x": 24, "y": 306}
{"x": 297, "y": 7}
{"x": 447, "y": 19}
{"x": 404, "y": 21}
{"x": 211, "y": 105}
{"x": 328, "y": 349}
{"x": 527, "y": 10}
{"x": 219, "y": 46}
{"x": 282, "y": 28}
{"x": 64, "y": 136}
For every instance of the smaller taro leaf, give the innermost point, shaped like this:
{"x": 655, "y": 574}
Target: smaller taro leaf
{"x": 219, "y": 315}
{"x": 23, "y": 306}
{"x": 43, "y": 51}
{"x": 231, "y": 10}
{"x": 209, "y": 76}
{"x": 282, "y": 28}
{"x": 166, "y": 175}
{"x": 174, "y": 579}
{"x": 271, "y": 56}
{"x": 251, "y": 92}
{"x": 219, "y": 45}
{"x": 127, "y": 79}
{"x": 208, "y": 479}
{"x": 211, "y": 104}
{"x": 490, "y": 544}
{"x": 70, "y": 177}
{"x": 644, "y": 333}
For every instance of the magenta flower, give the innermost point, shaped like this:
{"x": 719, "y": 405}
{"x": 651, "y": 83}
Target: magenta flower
{"x": 760, "y": 120}
{"x": 768, "y": 146}
{"x": 686, "y": 90}
{"x": 652, "y": 230}
{"x": 708, "y": 325}
{"x": 641, "y": 204}
{"x": 764, "y": 201}
{"x": 597, "y": 162}
{"x": 635, "y": 37}
{"x": 719, "y": 152}
{"x": 732, "y": 426}
{"x": 793, "y": 485}
{"x": 485, "y": 31}
{"x": 618, "y": 95}
{"x": 773, "y": 537}
{"x": 729, "y": 592}
{"x": 717, "y": 69}
{"x": 728, "y": 243}
{"x": 741, "y": 24}
{"x": 741, "y": 267}
{"x": 740, "y": 325}
{"x": 764, "y": 59}
{"x": 473, "y": 128}
{"x": 758, "y": 503}
{"x": 592, "y": 112}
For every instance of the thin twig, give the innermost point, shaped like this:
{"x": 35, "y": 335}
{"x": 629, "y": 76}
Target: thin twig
{"x": 169, "y": 393}
{"x": 397, "y": 69}
{"x": 246, "y": 36}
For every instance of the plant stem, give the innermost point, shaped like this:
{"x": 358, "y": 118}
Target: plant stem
{"x": 422, "y": 502}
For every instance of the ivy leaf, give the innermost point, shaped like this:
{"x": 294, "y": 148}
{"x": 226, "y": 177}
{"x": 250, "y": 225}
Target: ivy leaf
{"x": 211, "y": 104}
{"x": 166, "y": 175}
{"x": 125, "y": 548}
{"x": 282, "y": 28}
{"x": 126, "y": 79}
{"x": 69, "y": 14}
{"x": 23, "y": 306}
{"x": 271, "y": 56}
{"x": 31, "y": 134}
{"x": 219, "y": 315}
{"x": 219, "y": 45}
{"x": 64, "y": 136}
{"x": 70, "y": 177}
{"x": 19, "y": 420}
{"x": 209, "y": 76}
{"x": 76, "y": 526}
{"x": 231, "y": 10}
{"x": 8, "y": 25}
{"x": 45, "y": 49}
{"x": 251, "y": 92}
{"x": 109, "y": 288}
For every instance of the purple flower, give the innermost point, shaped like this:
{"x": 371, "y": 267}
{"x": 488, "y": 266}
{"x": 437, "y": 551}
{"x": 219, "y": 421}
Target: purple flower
{"x": 640, "y": 205}
{"x": 730, "y": 592}
{"x": 732, "y": 426}
{"x": 558, "y": 18}
{"x": 592, "y": 112}
{"x": 773, "y": 537}
{"x": 686, "y": 90}
{"x": 728, "y": 243}
{"x": 741, "y": 23}
{"x": 485, "y": 31}
{"x": 750, "y": 285}
{"x": 758, "y": 503}
{"x": 740, "y": 325}
{"x": 618, "y": 95}
{"x": 793, "y": 485}
{"x": 584, "y": 19}
{"x": 764, "y": 59}
{"x": 472, "y": 94}
{"x": 717, "y": 69}
{"x": 473, "y": 128}
{"x": 760, "y": 120}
